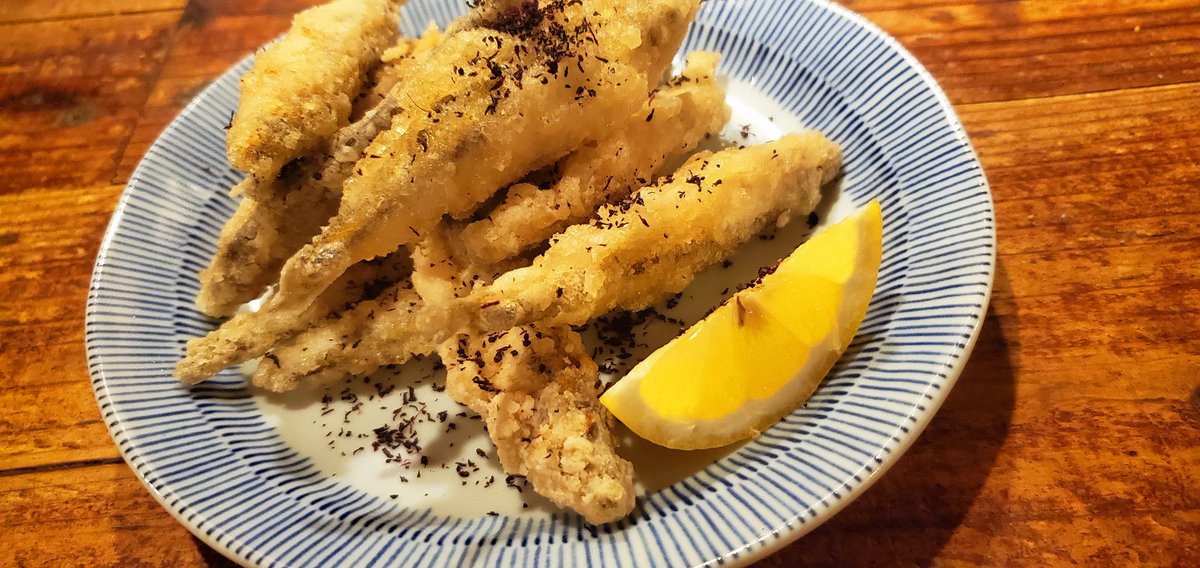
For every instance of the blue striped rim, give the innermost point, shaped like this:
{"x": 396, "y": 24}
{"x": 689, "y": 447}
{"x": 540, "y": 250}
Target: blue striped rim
{"x": 835, "y": 72}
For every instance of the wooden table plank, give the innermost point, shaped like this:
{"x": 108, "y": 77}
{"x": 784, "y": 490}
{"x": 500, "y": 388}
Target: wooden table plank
{"x": 48, "y": 242}
{"x": 43, "y": 10}
{"x": 70, "y": 93}
{"x": 1086, "y": 136}
{"x": 92, "y": 516}
{"x": 1007, "y": 50}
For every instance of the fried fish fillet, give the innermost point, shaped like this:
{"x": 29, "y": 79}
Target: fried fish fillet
{"x": 655, "y": 242}
{"x": 411, "y": 318}
{"x": 559, "y": 79}
{"x": 537, "y": 390}
{"x": 281, "y": 213}
{"x": 364, "y": 283}
{"x": 254, "y": 244}
{"x": 666, "y": 129}
{"x": 448, "y": 260}
{"x": 267, "y": 230}
{"x": 392, "y": 65}
{"x": 300, "y": 90}
{"x": 472, "y": 103}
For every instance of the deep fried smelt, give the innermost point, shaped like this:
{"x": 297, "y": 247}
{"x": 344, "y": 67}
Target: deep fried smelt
{"x": 463, "y": 137}
{"x": 352, "y": 343}
{"x": 667, "y": 128}
{"x": 473, "y": 103}
{"x": 554, "y": 78}
{"x": 282, "y": 212}
{"x": 254, "y": 244}
{"x": 240, "y": 268}
{"x": 300, "y": 89}
{"x": 655, "y": 242}
{"x": 341, "y": 344}
{"x": 364, "y": 282}
{"x": 537, "y": 390}
{"x": 445, "y": 268}
{"x": 392, "y": 65}
{"x": 411, "y": 319}
{"x": 291, "y": 208}
{"x": 355, "y": 342}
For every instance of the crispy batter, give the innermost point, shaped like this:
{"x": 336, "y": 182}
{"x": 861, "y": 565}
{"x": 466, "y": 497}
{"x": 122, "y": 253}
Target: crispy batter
{"x": 342, "y": 344}
{"x": 300, "y": 89}
{"x": 435, "y": 160}
{"x": 537, "y": 390}
{"x": 411, "y": 318}
{"x": 262, "y": 235}
{"x": 392, "y": 65}
{"x": 447, "y": 261}
{"x": 653, "y": 243}
{"x": 254, "y": 244}
{"x": 666, "y": 129}
{"x": 361, "y": 284}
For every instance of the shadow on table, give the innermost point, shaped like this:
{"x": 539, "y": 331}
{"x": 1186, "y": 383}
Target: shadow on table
{"x": 910, "y": 514}
{"x": 211, "y": 557}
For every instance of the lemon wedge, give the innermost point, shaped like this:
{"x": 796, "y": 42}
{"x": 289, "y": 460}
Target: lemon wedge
{"x": 763, "y": 352}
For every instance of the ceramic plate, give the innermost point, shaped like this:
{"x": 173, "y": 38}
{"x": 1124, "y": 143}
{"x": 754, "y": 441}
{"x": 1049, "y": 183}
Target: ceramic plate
{"x": 311, "y": 479}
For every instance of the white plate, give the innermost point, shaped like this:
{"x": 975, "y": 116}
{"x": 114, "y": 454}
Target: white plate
{"x": 264, "y": 479}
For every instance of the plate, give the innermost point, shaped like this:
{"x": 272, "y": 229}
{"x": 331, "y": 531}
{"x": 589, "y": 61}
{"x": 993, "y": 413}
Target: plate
{"x": 263, "y": 479}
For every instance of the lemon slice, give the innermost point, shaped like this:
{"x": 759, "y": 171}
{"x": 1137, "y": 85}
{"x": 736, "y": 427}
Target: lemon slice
{"x": 763, "y": 352}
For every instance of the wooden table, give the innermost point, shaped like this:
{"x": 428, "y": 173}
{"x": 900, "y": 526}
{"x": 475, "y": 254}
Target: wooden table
{"x": 1073, "y": 437}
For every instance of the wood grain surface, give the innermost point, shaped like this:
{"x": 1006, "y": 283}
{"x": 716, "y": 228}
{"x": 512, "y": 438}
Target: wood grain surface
{"x": 1073, "y": 437}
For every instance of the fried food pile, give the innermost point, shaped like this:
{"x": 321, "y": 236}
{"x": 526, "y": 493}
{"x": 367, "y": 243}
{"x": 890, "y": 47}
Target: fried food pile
{"x": 398, "y": 192}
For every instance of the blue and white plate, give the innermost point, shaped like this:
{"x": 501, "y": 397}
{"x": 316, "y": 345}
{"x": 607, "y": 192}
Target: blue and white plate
{"x": 296, "y": 480}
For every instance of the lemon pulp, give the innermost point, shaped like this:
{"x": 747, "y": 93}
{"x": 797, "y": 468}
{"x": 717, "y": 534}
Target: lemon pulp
{"x": 763, "y": 352}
